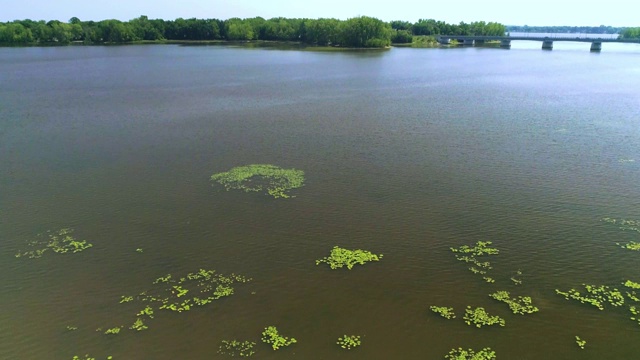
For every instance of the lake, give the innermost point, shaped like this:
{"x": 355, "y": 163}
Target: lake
{"x": 406, "y": 153}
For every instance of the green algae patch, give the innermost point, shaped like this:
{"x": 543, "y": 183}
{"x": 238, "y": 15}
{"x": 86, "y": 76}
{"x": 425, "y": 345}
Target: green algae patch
{"x": 518, "y": 305}
{"x": 445, "y": 312}
{"x": 271, "y": 179}
{"x": 471, "y": 255}
{"x": 270, "y": 335}
{"x": 180, "y": 294}
{"x": 236, "y": 348}
{"x": 470, "y": 354}
{"x": 341, "y": 257}
{"x": 349, "y": 341}
{"x": 60, "y": 242}
{"x": 595, "y": 295}
{"x": 480, "y": 317}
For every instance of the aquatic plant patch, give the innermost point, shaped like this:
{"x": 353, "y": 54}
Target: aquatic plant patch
{"x": 518, "y": 305}
{"x": 581, "y": 343}
{"x": 479, "y": 317}
{"x": 341, "y": 257}
{"x": 445, "y": 312}
{"x": 470, "y": 254}
{"x": 470, "y": 354}
{"x": 349, "y": 341}
{"x": 632, "y": 284}
{"x": 87, "y": 357}
{"x": 180, "y": 294}
{"x": 624, "y": 224}
{"x": 631, "y": 245}
{"x": 595, "y": 295}
{"x": 236, "y": 348}
{"x": 270, "y": 335}
{"x": 271, "y": 179}
{"x": 60, "y": 242}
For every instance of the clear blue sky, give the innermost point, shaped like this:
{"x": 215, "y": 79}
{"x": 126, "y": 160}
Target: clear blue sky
{"x": 514, "y": 12}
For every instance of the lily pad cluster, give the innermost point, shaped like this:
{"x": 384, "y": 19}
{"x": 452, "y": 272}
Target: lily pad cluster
{"x": 624, "y": 224}
{"x": 60, "y": 242}
{"x": 341, "y": 257}
{"x": 581, "y": 343}
{"x": 87, "y": 357}
{"x": 237, "y": 348}
{"x": 349, "y": 341}
{"x": 595, "y": 295}
{"x": 470, "y": 255}
{"x": 518, "y": 305}
{"x": 598, "y": 296}
{"x": 479, "y": 317}
{"x": 470, "y": 354}
{"x": 180, "y": 294}
{"x": 631, "y": 245}
{"x": 271, "y": 179}
{"x": 628, "y": 225}
{"x": 445, "y": 312}
{"x": 271, "y": 336}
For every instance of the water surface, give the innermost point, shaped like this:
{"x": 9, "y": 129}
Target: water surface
{"x": 407, "y": 153}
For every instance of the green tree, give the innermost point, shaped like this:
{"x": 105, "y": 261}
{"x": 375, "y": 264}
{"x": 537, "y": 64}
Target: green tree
{"x": 321, "y": 31}
{"x": 238, "y": 29}
{"x": 365, "y": 31}
{"x": 15, "y": 33}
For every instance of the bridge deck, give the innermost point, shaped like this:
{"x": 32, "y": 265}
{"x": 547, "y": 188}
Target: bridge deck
{"x": 538, "y": 38}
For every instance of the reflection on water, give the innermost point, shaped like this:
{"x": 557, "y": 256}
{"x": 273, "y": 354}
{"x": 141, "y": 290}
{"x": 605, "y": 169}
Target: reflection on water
{"x": 406, "y": 153}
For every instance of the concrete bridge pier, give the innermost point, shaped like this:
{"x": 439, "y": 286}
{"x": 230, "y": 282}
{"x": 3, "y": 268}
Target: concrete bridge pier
{"x": 547, "y": 45}
{"x": 468, "y": 42}
{"x": 505, "y": 44}
{"x": 596, "y": 46}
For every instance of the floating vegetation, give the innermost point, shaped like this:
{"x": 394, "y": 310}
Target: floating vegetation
{"x": 632, "y": 284}
{"x": 488, "y": 279}
{"x": 342, "y": 257}
{"x": 236, "y": 348}
{"x": 274, "y": 180}
{"x": 631, "y": 245}
{"x": 520, "y": 305}
{"x": 181, "y": 294}
{"x": 635, "y": 312}
{"x": 470, "y": 254}
{"x": 516, "y": 278}
{"x": 633, "y": 296}
{"x": 581, "y": 343}
{"x": 445, "y": 312}
{"x": 87, "y": 357}
{"x": 138, "y": 325}
{"x": 148, "y": 311}
{"x": 624, "y": 224}
{"x": 60, "y": 242}
{"x": 479, "y": 317}
{"x": 470, "y": 354}
{"x": 113, "y": 331}
{"x": 595, "y": 295}
{"x": 349, "y": 342}
{"x": 71, "y": 328}
{"x": 139, "y": 250}
{"x": 271, "y": 336}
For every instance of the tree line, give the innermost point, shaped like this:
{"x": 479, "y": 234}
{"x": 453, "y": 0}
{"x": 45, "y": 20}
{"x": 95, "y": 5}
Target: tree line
{"x": 630, "y": 33}
{"x": 360, "y": 31}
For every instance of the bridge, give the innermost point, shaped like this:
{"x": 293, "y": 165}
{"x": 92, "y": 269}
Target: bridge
{"x": 547, "y": 42}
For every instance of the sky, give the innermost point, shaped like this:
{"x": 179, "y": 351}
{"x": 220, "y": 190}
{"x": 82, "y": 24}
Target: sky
{"x": 514, "y": 12}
